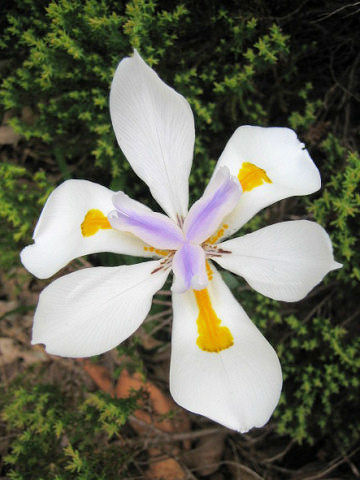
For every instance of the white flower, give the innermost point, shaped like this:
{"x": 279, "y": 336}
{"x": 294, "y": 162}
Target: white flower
{"x": 221, "y": 365}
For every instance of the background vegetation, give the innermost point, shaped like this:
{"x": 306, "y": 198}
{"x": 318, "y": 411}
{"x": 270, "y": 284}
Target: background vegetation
{"x": 267, "y": 63}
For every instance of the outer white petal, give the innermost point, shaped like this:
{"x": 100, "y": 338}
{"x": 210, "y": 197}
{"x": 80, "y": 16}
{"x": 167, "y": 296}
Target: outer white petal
{"x": 58, "y": 237}
{"x": 283, "y": 261}
{"x": 283, "y": 157}
{"x": 91, "y": 311}
{"x": 154, "y": 127}
{"x": 238, "y": 387}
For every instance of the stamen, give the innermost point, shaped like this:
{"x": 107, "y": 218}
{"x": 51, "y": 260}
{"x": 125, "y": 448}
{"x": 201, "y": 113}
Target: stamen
{"x": 250, "y": 176}
{"x": 212, "y": 337}
{"x": 180, "y": 220}
{"x": 165, "y": 263}
{"x": 93, "y": 221}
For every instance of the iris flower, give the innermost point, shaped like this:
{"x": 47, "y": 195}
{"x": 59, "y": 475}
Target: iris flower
{"x": 221, "y": 365}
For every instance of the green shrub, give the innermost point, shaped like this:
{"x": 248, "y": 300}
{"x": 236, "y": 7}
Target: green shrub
{"x": 62, "y": 58}
{"x": 61, "y": 435}
{"x": 22, "y": 195}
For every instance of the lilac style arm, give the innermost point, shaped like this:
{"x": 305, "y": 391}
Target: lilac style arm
{"x": 219, "y": 199}
{"x": 156, "y": 229}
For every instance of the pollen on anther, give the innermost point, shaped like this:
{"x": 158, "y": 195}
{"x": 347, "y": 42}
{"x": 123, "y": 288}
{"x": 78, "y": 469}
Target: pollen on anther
{"x": 161, "y": 253}
{"x": 214, "y": 238}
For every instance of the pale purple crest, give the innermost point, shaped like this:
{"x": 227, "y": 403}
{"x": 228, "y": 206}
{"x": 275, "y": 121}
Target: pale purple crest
{"x": 220, "y": 198}
{"x": 155, "y": 229}
{"x": 189, "y": 268}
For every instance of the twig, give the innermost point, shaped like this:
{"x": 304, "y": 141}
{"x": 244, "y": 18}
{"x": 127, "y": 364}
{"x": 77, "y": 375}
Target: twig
{"x": 156, "y": 316}
{"x": 161, "y": 302}
{"x": 174, "y": 437}
{"x": 349, "y": 319}
{"x": 280, "y": 454}
{"x": 242, "y": 467}
{"x": 160, "y": 326}
{"x": 334, "y": 465}
{"x": 164, "y": 292}
{"x": 334, "y": 12}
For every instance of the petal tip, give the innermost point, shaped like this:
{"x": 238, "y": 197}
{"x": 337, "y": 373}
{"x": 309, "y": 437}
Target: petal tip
{"x": 28, "y": 259}
{"x": 337, "y": 266}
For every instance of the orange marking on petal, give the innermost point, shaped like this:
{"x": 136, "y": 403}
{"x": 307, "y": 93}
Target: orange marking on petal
{"x": 162, "y": 253}
{"x": 94, "y": 220}
{"x": 209, "y": 271}
{"x": 212, "y": 337}
{"x": 214, "y": 238}
{"x": 250, "y": 176}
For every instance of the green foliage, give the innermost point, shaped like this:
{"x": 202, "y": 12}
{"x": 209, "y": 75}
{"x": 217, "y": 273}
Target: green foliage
{"x": 57, "y": 436}
{"x": 338, "y": 207}
{"x": 22, "y": 194}
{"x": 305, "y": 120}
{"x": 66, "y": 53}
{"x": 317, "y": 389}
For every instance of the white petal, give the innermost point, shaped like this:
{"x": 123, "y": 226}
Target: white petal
{"x": 90, "y": 311}
{"x": 154, "y": 127}
{"x": 58, "y": 237}
{"x": 283, "y": 157}
{"x": 238, "y": 387}
{"x": 283, "y": 261}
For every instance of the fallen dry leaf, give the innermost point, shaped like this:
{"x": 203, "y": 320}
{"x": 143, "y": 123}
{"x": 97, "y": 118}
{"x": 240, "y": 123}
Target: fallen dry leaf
{"x": 168, "y": 469}
{"x": 162, "y": 405}
{"x": 6, "y": 307}
{"x": 100, "y": 375}
{"x": 8, "y": 136}
{"x": 11, "y": 351}
{"x": 206, "y": 456}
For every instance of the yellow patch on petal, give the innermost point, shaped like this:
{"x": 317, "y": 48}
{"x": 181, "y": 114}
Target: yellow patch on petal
{"x": 212, "y": 337}
{"x": 93, "y": 221}
{"x": 209, "y": 271}
{"x": 250, "y": 176}
{"x": 214, "y": 238}
{"x": 162, "y": 253}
